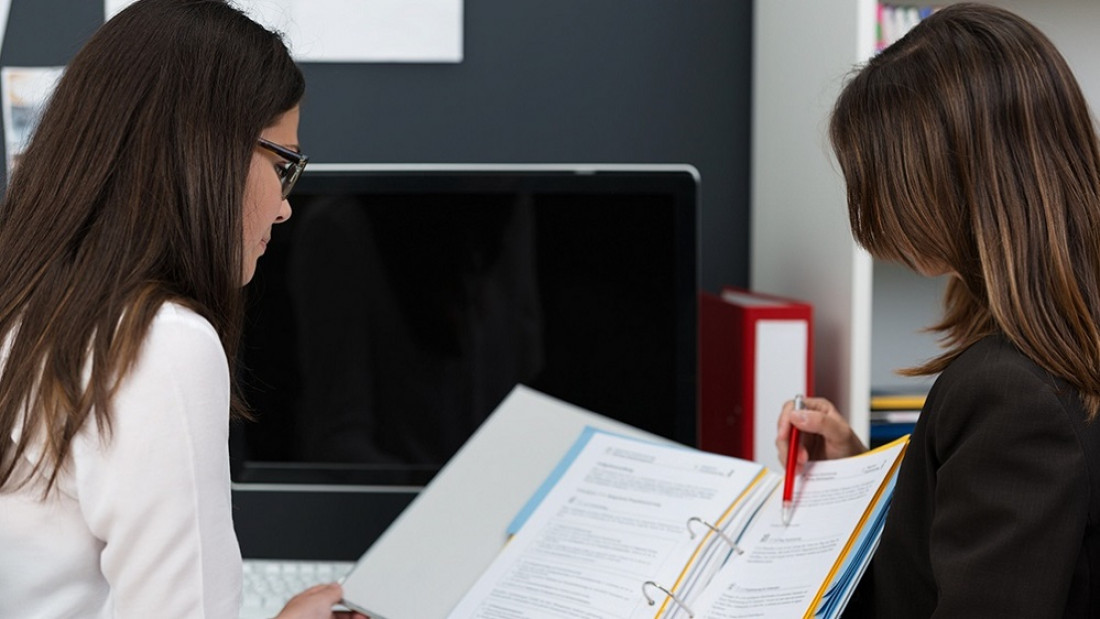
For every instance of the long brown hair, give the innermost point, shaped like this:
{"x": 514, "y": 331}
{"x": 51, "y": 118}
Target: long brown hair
{"x": 129, "y": 195}
{"x": 969, "y": 146}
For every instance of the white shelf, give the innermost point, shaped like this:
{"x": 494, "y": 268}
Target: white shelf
{"x": 801, "y": 245}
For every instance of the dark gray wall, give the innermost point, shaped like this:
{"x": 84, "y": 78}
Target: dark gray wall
{"x": 542, "y": 81}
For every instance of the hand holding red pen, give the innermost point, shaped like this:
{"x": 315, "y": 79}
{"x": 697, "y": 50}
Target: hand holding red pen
{"x": 825, "y": 433}
{"x": 793, "y": 447}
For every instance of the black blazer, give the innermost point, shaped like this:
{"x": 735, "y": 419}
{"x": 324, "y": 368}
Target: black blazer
{"x": 997, "y": 507}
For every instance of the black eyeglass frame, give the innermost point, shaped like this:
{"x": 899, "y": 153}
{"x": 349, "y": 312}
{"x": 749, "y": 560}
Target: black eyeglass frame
{"x": 287, "y": 176}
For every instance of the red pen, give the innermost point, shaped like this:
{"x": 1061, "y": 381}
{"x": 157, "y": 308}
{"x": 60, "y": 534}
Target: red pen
{"x": 792, "y": 464}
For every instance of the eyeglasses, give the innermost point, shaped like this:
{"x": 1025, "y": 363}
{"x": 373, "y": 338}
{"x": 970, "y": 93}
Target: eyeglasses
{"x": 291, "y": 169}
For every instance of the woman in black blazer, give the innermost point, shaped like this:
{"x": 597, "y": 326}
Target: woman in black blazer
{"x": 968, "y": 149}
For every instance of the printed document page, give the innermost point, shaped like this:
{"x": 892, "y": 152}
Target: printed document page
{"x": 615, "y": 519}
{"x": 783, "y": 569}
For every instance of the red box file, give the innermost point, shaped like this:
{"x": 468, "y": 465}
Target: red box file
{"x": 755, "y": 352}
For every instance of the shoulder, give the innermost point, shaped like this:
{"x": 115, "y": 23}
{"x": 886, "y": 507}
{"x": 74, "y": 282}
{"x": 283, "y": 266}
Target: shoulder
{"x": 181, "y": 355}
{"x": 994, "y": 390}
{"x": 994, "y": 367}
{"x": 999, "y": 442}
{"x": 178, "y": 326}
{"x": 990, "y": 357}
{"x": 180, "y": 340}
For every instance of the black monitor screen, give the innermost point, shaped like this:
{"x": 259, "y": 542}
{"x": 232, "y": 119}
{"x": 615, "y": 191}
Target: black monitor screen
{"x": 397, "y": 308}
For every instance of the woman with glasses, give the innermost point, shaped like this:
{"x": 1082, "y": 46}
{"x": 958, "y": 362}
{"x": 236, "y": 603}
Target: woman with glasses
{"x": 969, "y": 150}
{"x": 131, "y": 223}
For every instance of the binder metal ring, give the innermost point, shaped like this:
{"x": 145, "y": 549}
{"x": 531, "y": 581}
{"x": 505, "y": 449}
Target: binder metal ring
{"x": 671, "y": 595}
{"x": 717, "y": 532}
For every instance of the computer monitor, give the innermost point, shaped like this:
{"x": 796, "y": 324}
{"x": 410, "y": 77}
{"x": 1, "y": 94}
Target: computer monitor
{"x": 401, "y": 303}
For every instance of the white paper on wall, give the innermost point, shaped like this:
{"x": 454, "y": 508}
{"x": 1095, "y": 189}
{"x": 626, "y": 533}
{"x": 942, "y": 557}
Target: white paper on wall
{"x": 25, "y": 93}
{"x": 358, "y": 30}
{"x": 5, "y": 8}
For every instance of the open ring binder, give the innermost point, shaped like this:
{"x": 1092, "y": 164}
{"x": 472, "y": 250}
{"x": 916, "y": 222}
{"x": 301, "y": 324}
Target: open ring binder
{"x": 717, "y": 532}
{"x": 671, "y": 595}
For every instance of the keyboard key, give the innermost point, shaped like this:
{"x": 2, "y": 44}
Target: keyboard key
{"x": 269, "y": 584}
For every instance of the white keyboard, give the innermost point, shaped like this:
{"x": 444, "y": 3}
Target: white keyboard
{"x": 269, "y": 584}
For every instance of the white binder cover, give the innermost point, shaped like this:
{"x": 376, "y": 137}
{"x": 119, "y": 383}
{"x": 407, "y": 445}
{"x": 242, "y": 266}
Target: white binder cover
{"x": 438, "y": 547}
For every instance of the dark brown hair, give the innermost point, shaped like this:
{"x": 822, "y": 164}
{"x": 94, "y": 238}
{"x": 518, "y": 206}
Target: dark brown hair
{"x": 129, "y": 195}
{"x": 968, "y": 146}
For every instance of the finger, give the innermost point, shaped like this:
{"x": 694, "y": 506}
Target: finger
{"x": 783, "y": 439}
{"x": 802, "y": 456}
{"x": 811, "y": 419}
{"x": 785, "y": 412}
{"x": 829, "y": 424}
{"x": 800, "y": 463}
{"x": 783, "y": 422}
{"x": 817, "y": 404}
{"x": 783, "y": 432}
{"x": 328, "y": 592}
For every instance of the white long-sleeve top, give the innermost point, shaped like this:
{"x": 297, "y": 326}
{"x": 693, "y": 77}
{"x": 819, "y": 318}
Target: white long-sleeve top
{"x": 141, "y": 525}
